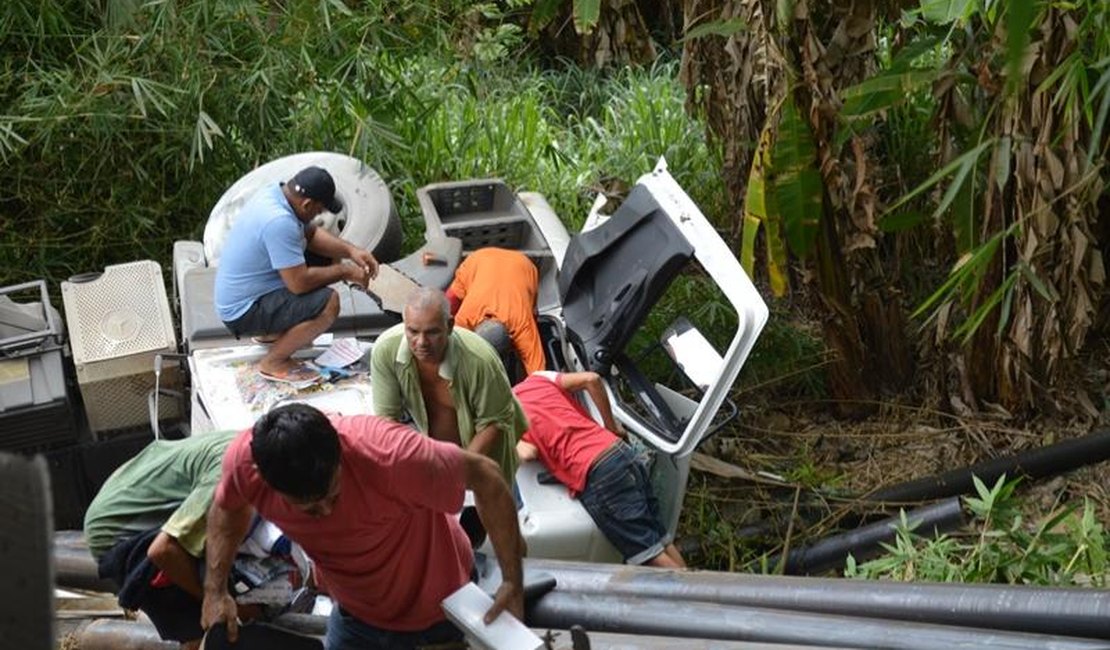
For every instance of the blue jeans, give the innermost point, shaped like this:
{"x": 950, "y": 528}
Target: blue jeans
{"x": 619, "y": 498}
{"x": 345, "y": 632}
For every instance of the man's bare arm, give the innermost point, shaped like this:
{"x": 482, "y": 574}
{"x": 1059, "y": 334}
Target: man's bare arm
{"x": 226, "y": 529}
{"x": 170, "y": 556}
{"x": 324, "y": 243}
{"x": 485, "y": 441}
{"x": 303, "y": 278}
{"x": 591, "y": 383}
{"x": 498, "y": 513}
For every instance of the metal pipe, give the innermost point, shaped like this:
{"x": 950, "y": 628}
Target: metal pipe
{"x": 113, "y": 634}
{"x": 1047, "y": 610}
{"x": 75, "y": 568}
{"x": 690, "y": 619}
{"x": 1035, "y": 463}
{"x": 864, "y": 542}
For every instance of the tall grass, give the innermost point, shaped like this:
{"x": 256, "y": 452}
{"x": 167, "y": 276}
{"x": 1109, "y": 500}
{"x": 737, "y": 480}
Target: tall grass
{"x": 119, "y": 131}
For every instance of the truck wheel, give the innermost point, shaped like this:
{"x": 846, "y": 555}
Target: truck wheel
{"x": 368, "y": 220}
{"x": 27, "y": 587}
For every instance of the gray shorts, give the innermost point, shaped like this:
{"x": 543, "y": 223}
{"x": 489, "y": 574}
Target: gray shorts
{"x": 277, "y": 311}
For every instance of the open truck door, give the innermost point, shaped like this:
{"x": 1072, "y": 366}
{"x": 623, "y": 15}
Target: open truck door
{"x": 667, "y": 382}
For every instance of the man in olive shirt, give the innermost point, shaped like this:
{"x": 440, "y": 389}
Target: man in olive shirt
{"x": 146, "y": 530}
{"x": 450, "y": 382}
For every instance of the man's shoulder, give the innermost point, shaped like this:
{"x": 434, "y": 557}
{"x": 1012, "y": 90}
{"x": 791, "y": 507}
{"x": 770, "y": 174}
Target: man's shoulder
{"x": 389, "y": 340}
{"x": 265, "y": 205}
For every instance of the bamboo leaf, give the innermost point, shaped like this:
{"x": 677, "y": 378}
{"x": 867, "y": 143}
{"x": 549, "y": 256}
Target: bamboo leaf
{"x": 967, "y": 329}
{"x": 1002, "y": 162}
{"x": 1019, "y": 21}
{"x": 945, "y": 11}
{"x": 797, "y": 184}
{"x": 1103, "y": 87}
{"x": 715, "y": 28}
{"x": 1038, "y": 285}
{"x": 902, "y": 221}
{"x": 586, "y": 14}
{"x": 884, "y": 90}
{"x": 543, "y": 12}
{"x": 951, "y": 167}
{"x": 784, "y": 11}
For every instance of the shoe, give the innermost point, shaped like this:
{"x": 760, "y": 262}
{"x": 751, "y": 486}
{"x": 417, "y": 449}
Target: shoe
{"x": 299, "y": 374}
{"x": 262, "y": 340}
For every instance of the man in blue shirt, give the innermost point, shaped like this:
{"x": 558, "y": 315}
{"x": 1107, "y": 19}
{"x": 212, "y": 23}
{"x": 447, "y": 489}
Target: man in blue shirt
{"x": 263, "y": 285}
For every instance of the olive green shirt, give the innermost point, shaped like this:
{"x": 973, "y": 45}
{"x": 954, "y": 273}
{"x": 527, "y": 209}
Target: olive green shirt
{"x": 475, "y": 377}
{"x": 168, "y": 485}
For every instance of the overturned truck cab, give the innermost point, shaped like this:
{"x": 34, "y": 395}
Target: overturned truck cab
{"x": 623, "y": 298}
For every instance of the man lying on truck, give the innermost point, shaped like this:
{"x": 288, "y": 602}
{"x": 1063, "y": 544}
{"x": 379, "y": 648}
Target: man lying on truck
{"x": 448, "y": 380}
{"x": 146, "y": 530}
{"x": 374, "y": 504}
{"x": 596, "y": 465}
{"x": 494, "y": 295}
{"x": 263, "y": 284}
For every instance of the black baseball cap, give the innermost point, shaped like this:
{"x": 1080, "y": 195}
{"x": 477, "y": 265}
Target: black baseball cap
{"x": 316, "y": 183}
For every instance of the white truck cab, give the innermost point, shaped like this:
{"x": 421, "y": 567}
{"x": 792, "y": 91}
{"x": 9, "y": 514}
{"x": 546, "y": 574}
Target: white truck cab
{"x": 597, "y": 291}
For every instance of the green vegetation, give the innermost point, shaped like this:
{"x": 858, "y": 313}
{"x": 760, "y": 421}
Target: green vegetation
{"x": 1067, "y": 547}
{"x": 926, "y": 193}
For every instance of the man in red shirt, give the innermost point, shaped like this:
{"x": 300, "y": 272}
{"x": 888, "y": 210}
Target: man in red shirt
{"x": 598, "y": 467}
{"x": 496, "y": 286}
{"x": 374, "y": 504}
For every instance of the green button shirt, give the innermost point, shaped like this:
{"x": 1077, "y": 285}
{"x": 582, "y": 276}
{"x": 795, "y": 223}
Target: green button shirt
{"x": 475, "y": 378}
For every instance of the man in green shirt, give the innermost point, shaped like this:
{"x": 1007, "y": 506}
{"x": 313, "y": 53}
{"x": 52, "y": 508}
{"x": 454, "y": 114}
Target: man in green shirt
{"x": 449, "y": 380}
{"x": 159, "y": 501}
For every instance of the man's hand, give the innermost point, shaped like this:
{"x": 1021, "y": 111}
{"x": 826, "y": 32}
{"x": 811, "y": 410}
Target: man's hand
{"x": 356, "y": 274}
{"x": 220, "y": 608}
{"x": 366, "y": 261}
{"x": 509, "y": 596}
{"x": 527, "y": 451}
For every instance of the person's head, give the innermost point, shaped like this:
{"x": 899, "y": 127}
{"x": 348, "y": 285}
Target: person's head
{"x": 496, "y": 334}
{"x": 311, "y": 192}
{"x": 296, "y": 449}
{"x": 428, "y": 324}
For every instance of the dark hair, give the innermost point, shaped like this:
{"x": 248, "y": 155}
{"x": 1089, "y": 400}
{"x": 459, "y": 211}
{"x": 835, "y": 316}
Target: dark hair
{"x": 296, "y": 449}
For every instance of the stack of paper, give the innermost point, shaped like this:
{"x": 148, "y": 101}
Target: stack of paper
{"x": 466, "y": 609}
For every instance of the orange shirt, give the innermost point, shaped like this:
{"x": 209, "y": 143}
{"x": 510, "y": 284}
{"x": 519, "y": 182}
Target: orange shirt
{"x": 501, "y": 284}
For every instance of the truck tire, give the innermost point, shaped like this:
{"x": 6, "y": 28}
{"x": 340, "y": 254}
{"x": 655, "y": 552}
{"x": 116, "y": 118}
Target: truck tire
{"x": 368, "y": 219}
{"x": 27, "y": 587}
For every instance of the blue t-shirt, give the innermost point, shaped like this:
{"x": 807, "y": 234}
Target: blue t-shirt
{"x": 267, "y": 236}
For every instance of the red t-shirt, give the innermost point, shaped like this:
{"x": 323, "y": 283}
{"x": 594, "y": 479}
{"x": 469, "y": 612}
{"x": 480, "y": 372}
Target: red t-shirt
{"x": 568, "y": 439}
{"x": 392, "y": 548}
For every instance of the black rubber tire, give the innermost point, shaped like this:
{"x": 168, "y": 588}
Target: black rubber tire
{"x": 26, "y": 570}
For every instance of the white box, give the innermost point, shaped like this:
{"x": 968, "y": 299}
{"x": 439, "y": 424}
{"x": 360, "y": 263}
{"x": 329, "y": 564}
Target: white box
{"x": 117, "y": 323}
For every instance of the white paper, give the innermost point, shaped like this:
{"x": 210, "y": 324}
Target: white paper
{"x": 342, "y": 353}
{"x": 696, "y": 356}
{"x": 466, "y": 609}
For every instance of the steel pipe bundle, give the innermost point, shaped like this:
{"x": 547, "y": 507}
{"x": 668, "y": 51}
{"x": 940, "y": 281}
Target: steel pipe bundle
{"x": 1046, "y": 610}
{"x": 702, "y": 620}
{"x": 776, "y": 609}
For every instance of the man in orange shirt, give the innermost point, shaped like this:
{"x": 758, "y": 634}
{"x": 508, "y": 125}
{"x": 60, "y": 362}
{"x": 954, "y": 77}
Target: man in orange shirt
{"x": 497, "y": 287}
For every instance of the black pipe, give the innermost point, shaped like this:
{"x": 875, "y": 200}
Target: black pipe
{"x": 75, "y": 568}
{"x": 1033, "y": 464}
{"x": 1047, "y": 610}
{"x": 864, "y": 542}
{"x": 691, "y": 619}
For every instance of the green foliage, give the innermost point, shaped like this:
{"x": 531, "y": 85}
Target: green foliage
{"x": 120, "y": 130}
{"x": 1068, "y": 547}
